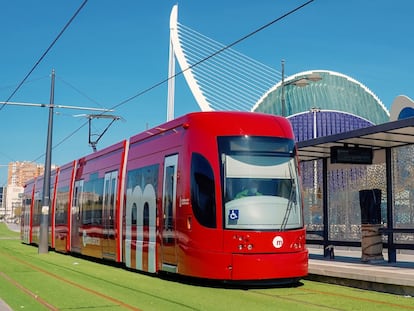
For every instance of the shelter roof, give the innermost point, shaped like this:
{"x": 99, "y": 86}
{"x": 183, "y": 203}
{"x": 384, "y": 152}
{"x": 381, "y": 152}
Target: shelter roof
{"x": 387, "y": 135}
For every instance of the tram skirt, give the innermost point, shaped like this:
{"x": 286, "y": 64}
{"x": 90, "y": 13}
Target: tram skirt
{"x": 371, "y": 242}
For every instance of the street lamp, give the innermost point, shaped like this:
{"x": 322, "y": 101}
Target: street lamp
{"x": 300, "y": 82}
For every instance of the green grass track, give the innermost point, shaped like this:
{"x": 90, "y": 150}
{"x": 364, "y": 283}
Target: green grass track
{"x": 53, "y": 281}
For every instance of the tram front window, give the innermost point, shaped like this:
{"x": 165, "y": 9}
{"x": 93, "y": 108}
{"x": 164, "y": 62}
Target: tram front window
{"x": 261, "y": 190}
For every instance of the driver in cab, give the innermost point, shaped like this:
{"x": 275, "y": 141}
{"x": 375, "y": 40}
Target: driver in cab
{"x": 250, "y": 190}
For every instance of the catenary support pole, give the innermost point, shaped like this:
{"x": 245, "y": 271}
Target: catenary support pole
{"x": 44, "y": 220}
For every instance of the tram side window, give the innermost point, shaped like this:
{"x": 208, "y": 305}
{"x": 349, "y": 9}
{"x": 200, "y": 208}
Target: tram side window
{"x": 146, "y": 214}
{"x": 62, "y": 205}
{"x": 168, "y": 198}
{"x": 92, "y": 200}
{"x": 203, "y": 191}
{"x": 26, "y": 207}
{"x": 37, "y": 211}
{"x": 134, "y": 215}
{"x": 27, "y": 203}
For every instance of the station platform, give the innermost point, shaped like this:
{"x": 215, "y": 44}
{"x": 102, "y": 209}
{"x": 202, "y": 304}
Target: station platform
{"x": 347, "y": 268}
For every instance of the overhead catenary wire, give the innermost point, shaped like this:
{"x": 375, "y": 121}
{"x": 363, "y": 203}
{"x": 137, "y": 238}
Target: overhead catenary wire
{"x": 79, "y": 91}
{"x": 4, "y": 87}
{"x": 197, "y": 63}
{"x": 44, "y": 54}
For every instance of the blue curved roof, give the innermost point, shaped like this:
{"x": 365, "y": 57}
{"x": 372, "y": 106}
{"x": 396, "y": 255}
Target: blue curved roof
{"x": 402, "y": 108}
{"x": 318, "y": 123}
{"x": 334, "y": 91}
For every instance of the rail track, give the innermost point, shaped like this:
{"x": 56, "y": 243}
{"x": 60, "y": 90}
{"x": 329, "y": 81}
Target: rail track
{"x": 60, "y": 282}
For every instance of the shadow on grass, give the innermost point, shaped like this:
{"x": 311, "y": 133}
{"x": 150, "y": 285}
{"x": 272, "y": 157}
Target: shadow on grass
{"x": 244, "y": 285}
{"x": 225, "y": 284}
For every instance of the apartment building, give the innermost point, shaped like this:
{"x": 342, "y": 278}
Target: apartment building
{"x": 11, "y": 195}
{"x": 20, "y": 172}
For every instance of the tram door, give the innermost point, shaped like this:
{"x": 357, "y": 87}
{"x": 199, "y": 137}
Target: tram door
{"x": 76, "y": 211}
{"x": 108, "y": 215}
{"x": 169, "y": 254}
{"x": 25, "y": 223}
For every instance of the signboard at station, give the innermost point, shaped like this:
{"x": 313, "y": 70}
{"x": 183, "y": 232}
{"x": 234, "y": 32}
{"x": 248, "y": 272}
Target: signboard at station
{"x": 351, "y": 155}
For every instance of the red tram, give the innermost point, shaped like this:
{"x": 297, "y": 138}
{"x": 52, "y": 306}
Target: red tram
{"x": 179, "y": 198}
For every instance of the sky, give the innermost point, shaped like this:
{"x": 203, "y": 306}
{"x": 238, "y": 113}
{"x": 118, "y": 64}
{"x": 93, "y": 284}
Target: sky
{"x": 115, "y": 50}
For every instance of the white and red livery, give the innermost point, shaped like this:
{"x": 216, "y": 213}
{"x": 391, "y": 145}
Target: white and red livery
{"x": 175, "y": 198}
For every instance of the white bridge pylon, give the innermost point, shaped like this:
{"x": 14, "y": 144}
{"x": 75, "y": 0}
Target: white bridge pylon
{"x": 219, "y": 78}
{"x": 177, "y": 52}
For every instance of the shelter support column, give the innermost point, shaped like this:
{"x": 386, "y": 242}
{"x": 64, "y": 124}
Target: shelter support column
{"x": 325, "y": 204}
{"x": 392, "y": 254}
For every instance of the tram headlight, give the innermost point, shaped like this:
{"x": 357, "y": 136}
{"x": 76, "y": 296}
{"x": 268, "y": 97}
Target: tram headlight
{"x": 299, "y": 243}
{"x": 243, "y": 242}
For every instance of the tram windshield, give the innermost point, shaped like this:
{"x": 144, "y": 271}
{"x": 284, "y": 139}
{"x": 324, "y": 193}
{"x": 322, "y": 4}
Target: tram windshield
{"x": 260, "y": 183}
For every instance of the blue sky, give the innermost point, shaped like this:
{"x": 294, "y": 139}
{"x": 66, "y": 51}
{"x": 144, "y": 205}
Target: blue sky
{"x": 116, "y": 49}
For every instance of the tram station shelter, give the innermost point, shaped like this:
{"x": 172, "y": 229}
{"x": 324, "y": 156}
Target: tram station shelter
{"x": 348, "y": 146}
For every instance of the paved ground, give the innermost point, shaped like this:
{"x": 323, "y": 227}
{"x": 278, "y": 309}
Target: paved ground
{"x": 4, "y": 306}
{"x": 13, "y": 227}
{"x": 348, "y": 269}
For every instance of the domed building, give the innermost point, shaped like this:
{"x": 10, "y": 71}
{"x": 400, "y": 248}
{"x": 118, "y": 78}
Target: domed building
{"x": 321, "y": 103}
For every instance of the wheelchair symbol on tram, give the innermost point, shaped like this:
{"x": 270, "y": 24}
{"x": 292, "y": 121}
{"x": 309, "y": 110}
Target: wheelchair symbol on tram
{"x": 233, "y": 214}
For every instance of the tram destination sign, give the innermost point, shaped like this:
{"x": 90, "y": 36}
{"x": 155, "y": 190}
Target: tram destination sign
{"x": 351, "y": 155}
